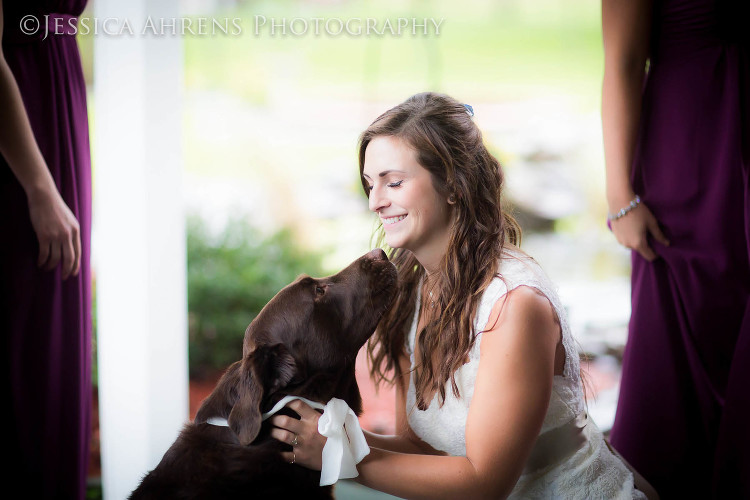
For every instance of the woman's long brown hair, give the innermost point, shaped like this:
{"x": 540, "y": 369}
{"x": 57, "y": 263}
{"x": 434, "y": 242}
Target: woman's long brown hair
{"x": 449, "y": 145}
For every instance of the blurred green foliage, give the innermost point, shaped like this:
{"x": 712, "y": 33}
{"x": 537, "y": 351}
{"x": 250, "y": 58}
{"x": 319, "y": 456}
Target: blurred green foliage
{"x": 230, "y": 278}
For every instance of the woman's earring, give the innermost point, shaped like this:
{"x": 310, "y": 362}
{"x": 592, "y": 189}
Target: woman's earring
{"x": 452, "y": 199}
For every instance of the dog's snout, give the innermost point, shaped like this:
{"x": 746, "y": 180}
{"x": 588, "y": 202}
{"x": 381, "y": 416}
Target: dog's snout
{"x": 377, "y": 254}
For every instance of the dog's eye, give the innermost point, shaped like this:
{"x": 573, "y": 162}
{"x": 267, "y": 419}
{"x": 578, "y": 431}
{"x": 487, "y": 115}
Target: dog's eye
{"x": 320, "y": 290}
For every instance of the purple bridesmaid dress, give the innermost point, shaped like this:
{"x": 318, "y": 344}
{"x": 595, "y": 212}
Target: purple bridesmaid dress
{"x": 45, "y": 321}
{"x": 683, "y": 409}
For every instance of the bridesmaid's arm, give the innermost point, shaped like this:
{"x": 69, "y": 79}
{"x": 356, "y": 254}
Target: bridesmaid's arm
{"x": 55, "y": 225}
{"x": 626, "y": 29}
{"x": 626, "y": 26}
{"x": 17, "y": 142}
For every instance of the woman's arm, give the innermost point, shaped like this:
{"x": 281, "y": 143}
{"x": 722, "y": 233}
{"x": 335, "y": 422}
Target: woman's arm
{"x": 626, "y": 26}
{"x": 405, "y": 440}
{"x": 56, "y": 227}
{"x": 511, "y": 395}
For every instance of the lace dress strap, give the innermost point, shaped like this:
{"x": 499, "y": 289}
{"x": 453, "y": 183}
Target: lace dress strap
{"x": 517, "y": 269}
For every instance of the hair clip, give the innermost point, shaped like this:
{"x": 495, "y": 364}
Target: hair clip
{"x": 469, "y": 109}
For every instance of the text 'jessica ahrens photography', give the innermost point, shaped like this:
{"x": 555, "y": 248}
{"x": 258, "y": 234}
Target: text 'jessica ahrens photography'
{"x": 258, "y": 25}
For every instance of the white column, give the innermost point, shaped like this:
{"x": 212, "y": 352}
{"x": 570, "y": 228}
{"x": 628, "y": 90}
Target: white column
{"x": 139, "y": 242}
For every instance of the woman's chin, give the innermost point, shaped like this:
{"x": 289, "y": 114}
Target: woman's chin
{"x": 394, "y": 241}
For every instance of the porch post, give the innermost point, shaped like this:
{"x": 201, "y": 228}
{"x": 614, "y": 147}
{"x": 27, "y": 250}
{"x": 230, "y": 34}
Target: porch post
{"x": 139, "y": 242}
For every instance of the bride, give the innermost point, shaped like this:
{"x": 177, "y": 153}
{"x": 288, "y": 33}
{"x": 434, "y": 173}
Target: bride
{"x": 489, "y": 397}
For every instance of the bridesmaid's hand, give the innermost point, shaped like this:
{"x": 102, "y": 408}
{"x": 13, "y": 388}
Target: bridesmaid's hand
{"x": 632, "y": 231}
{"x": 308, "y": 450}
{"x": 57, "y": 230}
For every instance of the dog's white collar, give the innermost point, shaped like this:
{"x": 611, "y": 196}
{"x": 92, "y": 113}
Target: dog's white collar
{"x": 222, "y": 422}
{"x": 286, "y": 399}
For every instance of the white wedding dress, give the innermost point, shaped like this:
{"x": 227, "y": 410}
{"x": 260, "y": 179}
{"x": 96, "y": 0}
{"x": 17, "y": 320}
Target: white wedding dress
{"x": 570, "y": 459}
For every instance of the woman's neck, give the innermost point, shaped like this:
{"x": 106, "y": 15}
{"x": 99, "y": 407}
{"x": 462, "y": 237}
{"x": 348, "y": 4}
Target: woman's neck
{"x": 430, "y": 259}
{"x": 431, "y": 253}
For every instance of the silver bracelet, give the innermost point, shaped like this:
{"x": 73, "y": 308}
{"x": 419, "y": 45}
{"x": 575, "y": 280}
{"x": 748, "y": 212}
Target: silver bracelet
{"x": 624, "y": 211}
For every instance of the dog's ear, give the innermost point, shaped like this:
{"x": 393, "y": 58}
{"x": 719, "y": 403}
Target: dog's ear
{"x": 219, "y": 403}
{"x": 265, "y": 370}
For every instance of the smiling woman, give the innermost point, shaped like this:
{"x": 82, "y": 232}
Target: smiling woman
{"x": 458, "y": 228}
{"x": 489, "y": 402}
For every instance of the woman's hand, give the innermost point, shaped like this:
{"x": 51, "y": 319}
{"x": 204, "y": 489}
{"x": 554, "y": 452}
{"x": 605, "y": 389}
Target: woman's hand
{"x": 308, "y": 449}
{"x": 632, "y": 231}
{"x": 57, "y": 230}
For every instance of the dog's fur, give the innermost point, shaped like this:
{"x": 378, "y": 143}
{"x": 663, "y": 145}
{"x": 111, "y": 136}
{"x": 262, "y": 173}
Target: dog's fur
{"x": 304, "y": 342}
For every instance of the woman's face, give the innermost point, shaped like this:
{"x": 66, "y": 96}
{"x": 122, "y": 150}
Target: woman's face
{"x": 414, "y": 215}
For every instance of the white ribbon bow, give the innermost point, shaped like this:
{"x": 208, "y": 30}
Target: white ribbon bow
{"x": 346, "y": 445}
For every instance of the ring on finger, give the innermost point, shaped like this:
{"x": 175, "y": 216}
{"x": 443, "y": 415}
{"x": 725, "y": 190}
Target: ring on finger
{"x": 294, "y": 458}
{"x": 295, "y": 441}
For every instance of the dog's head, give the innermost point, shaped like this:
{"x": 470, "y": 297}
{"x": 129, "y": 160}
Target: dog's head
{"x": 305, "y": 342}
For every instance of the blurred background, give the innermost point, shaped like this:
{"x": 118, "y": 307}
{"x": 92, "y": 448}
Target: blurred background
{"x": 270, "y": 185}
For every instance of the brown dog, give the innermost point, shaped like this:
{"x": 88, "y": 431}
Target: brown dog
{"x": 304, "y": 343}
